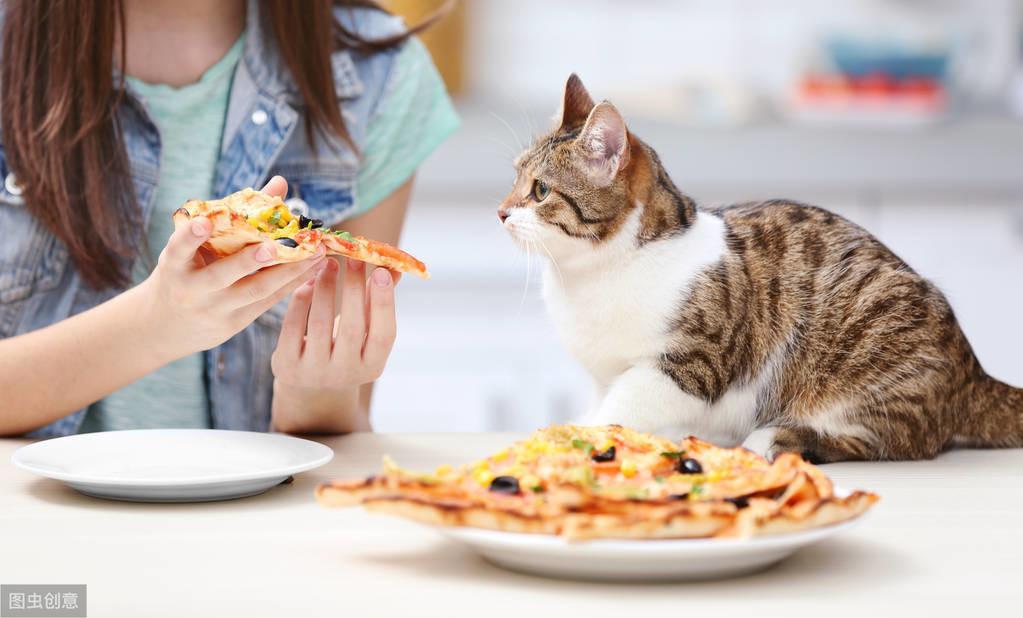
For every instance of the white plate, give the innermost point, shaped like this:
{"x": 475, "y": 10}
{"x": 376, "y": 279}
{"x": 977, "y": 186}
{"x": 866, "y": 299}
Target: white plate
{"x": 172, "y": 465}
{"x": 653, "y": 560}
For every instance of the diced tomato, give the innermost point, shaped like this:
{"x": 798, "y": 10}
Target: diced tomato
{"x": 307, "y": 235}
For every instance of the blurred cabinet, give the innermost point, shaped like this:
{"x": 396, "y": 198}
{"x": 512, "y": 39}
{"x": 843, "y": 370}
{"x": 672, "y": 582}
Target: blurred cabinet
{"x": 446, "y": 39}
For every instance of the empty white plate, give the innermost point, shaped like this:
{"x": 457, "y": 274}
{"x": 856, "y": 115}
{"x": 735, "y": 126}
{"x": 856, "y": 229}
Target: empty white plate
{"x": 652, "y": 560}
{"x": 172, "y": 465}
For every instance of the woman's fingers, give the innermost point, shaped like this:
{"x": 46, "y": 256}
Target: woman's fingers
{"x": 320, "y": 332}
{"x": 277, "y": 186}
{"x": 254, "y": 310}
{"x": 188, "y": 236}
{"x": 351, "y": 327}
{"x": 267, "y": 282}
{"x": 226, "y": 271}
{"x": 293, "y": 327}
{"x": 382, "y": 323}
{"x": 232, "y": 268}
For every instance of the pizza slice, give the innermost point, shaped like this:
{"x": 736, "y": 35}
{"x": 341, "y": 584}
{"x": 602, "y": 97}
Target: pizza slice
{"x": 610, "y": 482}
{"x": 251, "y": 216}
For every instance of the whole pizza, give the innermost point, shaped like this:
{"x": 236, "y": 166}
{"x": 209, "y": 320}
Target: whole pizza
{"x": 610, "y": 482}
{"x": 251, "y": 216}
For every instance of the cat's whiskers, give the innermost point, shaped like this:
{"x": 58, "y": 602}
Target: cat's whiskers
{"x": 508, "y": 126}
{"x": 529, "y": 120}
{"x": 561, "y": 278}
{"x": 529, "y": 264}
{"x": 507, "y": 148}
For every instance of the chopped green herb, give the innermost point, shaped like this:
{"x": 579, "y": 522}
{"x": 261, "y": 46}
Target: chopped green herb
{"x": 275, "y": 219}
{"x": 659, "y": 479}
{"x": 583, "y": 444}
{"x": 537, "y": 489}
{"x": 673, "y": 454}
{"x": 696, "y": 490}
{"x": 343, "y": 235}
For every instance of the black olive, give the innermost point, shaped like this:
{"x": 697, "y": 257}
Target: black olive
{"x": 505, "y": 485}
{"x": 678, "y": 496}
{"x": 608, "y": 455}
{"x": 304, "y": 222}
{"x": 740, "y": 502}
{"x": 287, "y": 242}
{"x": 689, "y": 466}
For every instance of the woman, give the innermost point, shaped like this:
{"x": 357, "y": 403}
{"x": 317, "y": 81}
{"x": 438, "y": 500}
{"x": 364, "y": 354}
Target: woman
{"x": 115, "y": 113}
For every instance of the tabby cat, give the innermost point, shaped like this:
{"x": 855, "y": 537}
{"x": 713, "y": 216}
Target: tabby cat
{"x": 774, "y": 324}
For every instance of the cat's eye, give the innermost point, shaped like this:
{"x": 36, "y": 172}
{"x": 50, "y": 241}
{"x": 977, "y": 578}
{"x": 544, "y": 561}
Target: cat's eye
{"x": 540, "y": 190}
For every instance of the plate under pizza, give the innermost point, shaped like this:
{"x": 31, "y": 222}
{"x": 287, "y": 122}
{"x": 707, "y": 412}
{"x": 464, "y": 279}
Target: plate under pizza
{"x": 645, "y": 560}
{"x": 611, "y": 503}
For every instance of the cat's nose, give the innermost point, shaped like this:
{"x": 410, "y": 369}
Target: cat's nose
{"x": 502, "y": 214}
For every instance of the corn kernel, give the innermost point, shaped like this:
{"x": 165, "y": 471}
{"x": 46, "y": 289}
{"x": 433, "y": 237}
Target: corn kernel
{"x": 483, "y": 477}
{"x": 288, "y": 230}
{"x": 628, "y": 468}
{"x": 500, "y": 455}
{"x": 606, "y": 444}
{"x": 443, "y": 470}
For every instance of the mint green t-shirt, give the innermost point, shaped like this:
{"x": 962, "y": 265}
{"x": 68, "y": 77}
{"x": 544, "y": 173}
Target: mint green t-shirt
{"x": 191, "y": 124}
{"x": 413, "y": 120}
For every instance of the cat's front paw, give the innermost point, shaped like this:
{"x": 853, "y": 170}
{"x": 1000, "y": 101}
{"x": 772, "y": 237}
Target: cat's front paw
{"x": 762, "y": 442}
{"x": 801, "y": 441}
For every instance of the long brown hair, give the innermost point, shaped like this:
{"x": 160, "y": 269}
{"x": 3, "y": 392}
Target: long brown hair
{"x": 58, "y": 112}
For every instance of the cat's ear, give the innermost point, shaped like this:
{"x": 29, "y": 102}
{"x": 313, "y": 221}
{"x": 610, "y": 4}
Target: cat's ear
{"x": 576, "y": 104}
{"x": 604, "y": 144}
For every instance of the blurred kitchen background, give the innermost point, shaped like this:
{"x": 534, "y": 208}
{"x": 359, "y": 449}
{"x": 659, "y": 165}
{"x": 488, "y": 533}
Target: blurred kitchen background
{"x": 906, "y": 116}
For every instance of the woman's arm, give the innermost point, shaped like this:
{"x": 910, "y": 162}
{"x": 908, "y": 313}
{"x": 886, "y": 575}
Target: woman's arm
{"x": 49, "y": 373}
{"x": 323, "y": 383}
{"x": 184, "y": 306}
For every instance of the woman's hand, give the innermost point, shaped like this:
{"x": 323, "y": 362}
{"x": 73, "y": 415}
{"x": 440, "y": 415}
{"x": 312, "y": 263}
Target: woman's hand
{"x": 322, "y": 358}
{"x": 197, "y": 303}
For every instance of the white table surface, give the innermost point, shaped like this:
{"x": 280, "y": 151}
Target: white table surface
{"x": 948, "y": 534}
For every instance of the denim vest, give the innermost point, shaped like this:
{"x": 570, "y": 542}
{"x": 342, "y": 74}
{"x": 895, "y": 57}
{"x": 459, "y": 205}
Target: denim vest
{"x": 264, "y": 134}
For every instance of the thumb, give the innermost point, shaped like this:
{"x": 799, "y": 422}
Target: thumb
{"x": 189, "y": 234}
{"x": 277, "y": 187}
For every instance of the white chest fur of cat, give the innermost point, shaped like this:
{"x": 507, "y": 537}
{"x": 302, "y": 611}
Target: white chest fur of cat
{"x": 613, "y": 308}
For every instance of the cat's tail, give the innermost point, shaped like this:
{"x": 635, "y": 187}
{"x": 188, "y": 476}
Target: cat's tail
{"x": 995, "y": 416}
